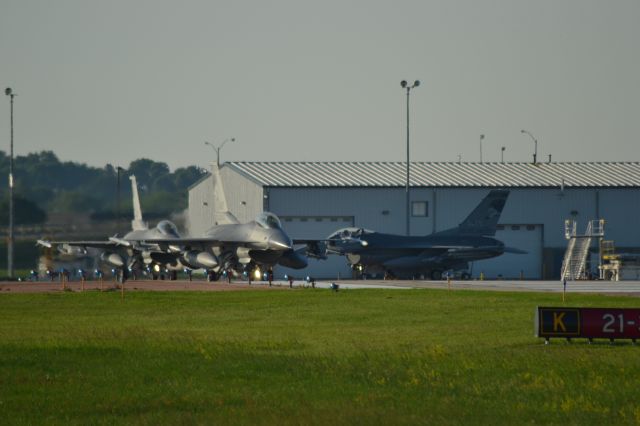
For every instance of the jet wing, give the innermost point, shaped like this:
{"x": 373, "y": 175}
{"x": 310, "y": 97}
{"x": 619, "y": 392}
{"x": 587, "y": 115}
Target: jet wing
{"x": 111, "y": 244}
{"x": 100, "y": 244}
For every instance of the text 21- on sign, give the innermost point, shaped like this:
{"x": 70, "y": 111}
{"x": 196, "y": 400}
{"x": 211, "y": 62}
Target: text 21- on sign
{"x": 590, "y": 323}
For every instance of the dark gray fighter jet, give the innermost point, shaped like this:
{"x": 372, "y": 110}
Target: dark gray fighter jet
{"x": 429, "y": 256}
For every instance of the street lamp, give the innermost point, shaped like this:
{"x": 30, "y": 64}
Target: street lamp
{"x": 218, "y": 148}
{"x": 502, "y": 154}
{"x": 405, "y": 85}
{"x": 9, "y": 92}
{"x": 535, "y": 141}
{"x": 481, "y": 138}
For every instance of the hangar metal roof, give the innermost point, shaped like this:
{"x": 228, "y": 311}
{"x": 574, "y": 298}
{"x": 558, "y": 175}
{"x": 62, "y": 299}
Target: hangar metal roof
{"x": 440, "y": 174}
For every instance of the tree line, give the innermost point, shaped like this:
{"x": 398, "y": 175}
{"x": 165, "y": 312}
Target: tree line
{"x": 44, "y": 184}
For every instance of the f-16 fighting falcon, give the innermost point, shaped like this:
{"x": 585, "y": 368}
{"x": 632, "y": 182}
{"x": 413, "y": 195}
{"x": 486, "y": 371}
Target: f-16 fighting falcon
{"x": 414, "y": 256}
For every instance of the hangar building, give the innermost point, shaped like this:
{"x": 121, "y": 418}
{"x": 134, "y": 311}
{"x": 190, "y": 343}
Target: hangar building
{"x": 314, "y": 199}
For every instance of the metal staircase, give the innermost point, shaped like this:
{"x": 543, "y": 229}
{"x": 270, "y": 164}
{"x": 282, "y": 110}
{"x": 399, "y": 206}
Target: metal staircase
{"x": 575, "y": 258}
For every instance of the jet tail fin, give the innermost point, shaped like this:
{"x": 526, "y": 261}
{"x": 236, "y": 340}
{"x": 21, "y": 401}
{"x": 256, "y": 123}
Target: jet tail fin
{"x": 137, "y": 224}
{"x": 483, "y": 220}
{"x": 221, "y": 214}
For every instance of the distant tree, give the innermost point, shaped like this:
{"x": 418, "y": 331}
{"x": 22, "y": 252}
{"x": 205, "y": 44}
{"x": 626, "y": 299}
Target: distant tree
{"x": 147, "y": 171}
{"x": 25, "y": 212}
{"x": 185, "y": 177}
{"x": 72, "y": 201}
{"x": 68, "y": 186}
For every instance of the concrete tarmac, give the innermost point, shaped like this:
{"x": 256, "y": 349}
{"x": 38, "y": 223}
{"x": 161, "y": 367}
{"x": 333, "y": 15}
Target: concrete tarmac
{"x": 607, "y": 287}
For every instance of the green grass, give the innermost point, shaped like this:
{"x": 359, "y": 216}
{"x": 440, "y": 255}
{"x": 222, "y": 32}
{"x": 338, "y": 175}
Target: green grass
{"x": 305, "y": 357}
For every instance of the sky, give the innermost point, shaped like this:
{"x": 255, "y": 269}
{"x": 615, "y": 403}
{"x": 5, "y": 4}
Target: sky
{"x": 111, "y": 81}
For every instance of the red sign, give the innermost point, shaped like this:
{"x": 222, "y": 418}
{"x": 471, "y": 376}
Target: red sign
{"x": 590, "y": 323}
{"x": 611, "y": 323}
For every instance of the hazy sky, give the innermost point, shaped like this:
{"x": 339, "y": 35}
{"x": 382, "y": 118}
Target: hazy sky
{"x": 110, "y": 81}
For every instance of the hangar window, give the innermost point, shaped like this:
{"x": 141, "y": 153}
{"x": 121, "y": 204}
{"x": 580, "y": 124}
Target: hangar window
{"x": 531, "y": 227}
{"x": 515, "y": 227}
{"x": 500, "y": 227}
{"x": 419, "y": 209}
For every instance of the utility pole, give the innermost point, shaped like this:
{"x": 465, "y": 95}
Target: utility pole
{"x": 9, "y": 92}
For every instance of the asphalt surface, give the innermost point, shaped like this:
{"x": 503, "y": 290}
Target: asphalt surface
{"x": 607, "y": 287}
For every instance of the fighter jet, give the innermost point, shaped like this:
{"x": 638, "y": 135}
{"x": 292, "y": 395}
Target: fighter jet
{"x": 230, "y": 247}
{"x": 128, "y": 252}
{"x": 425, "y": 256}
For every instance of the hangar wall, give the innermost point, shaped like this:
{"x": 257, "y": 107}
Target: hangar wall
{"x": 533, "y": 219}
{"x": 244, "y": 199}
{"x": 532, "y": 216}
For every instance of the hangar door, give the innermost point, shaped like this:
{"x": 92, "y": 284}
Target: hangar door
{"x": 316, "y": 227}
{"x": 510, "y": 265}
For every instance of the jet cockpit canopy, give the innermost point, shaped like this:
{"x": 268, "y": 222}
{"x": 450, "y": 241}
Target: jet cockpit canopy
{"x": 268, "y": 220}
{"x": 168, "y": 228}
{"x": 346, "y": 233}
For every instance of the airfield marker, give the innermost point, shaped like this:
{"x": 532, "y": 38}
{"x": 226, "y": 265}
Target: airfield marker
{"x": 564, "y": 289}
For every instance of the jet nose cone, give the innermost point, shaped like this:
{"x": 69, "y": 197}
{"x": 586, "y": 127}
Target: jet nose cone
{"x": 279, "y": 241}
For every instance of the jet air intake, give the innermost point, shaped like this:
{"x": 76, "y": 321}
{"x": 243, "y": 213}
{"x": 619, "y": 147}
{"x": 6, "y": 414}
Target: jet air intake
{"x": 243, "y": 255}
{"x": 293, "y": 259}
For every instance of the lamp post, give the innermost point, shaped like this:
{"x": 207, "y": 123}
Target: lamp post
{"x": 535, "y": 141}
{"x": 406, "y": 86}
{"x": 481, "y": 138}
{"x": 502, "y": 154}
{"x": 218, "y": 148}
{"x": 9, "y": 92}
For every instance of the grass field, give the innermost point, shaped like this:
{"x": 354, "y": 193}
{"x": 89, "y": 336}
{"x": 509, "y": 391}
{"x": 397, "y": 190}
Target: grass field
{"x": 305, "y": 357}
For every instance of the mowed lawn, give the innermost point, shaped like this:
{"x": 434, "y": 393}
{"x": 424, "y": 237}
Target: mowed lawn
{"x": 306, "y": 356}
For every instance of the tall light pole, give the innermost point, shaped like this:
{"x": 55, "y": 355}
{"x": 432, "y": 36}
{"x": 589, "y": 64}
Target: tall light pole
{"x": 535, "y": 141}
{"x": 481, "y": 138}
{"x": 218, "y": 148}
{"x": 502, "y": 154}
{"x": 405, "y": 85}
{"x": 11, "y": 95}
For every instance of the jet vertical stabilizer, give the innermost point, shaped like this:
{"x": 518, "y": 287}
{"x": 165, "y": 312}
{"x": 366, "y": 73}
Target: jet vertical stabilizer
{"x": 484, "y": 218}
{"x": 137, "y": 224}
{"x": 221, "y": 214}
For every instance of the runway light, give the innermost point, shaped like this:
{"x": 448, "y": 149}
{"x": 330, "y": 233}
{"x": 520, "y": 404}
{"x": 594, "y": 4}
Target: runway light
{"x": 257, "y": 274}
{"x": 156, "y": 267}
